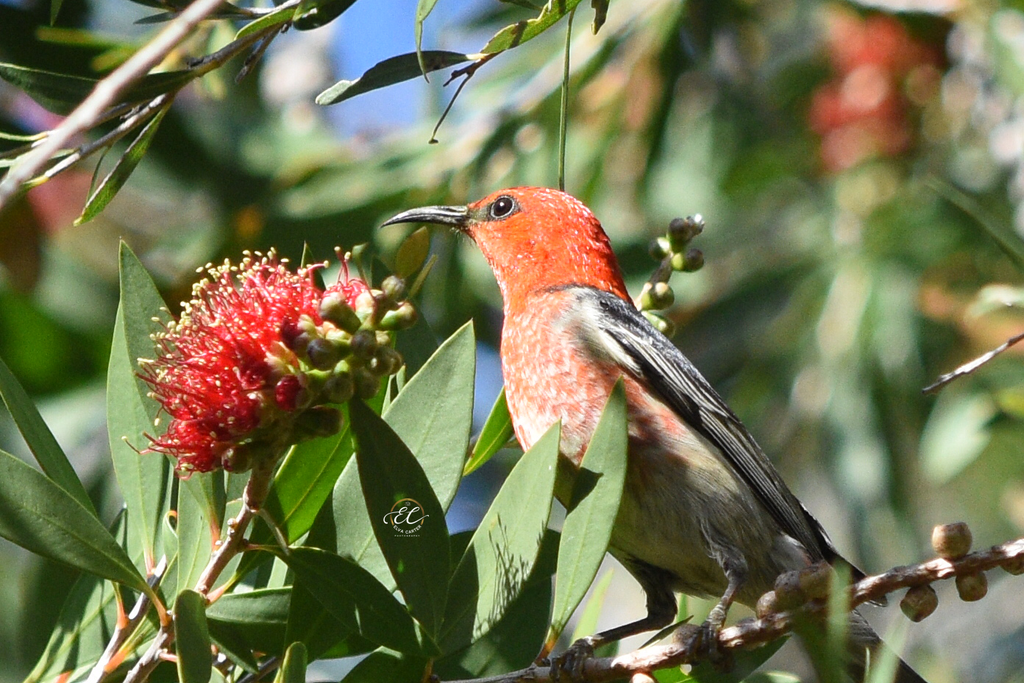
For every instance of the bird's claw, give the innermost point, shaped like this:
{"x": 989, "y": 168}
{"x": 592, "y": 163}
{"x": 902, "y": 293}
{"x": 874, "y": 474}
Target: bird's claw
{"x": 705, "y": 646}
{"x": 570, "y": 663}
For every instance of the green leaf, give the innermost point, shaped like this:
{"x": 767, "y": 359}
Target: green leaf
{"x": 312, "y": 14}
{"x": 496, "y": 432}
{"x": 293, "y": 668}
{"x": 42, "y": 517}
{"x": 412, "y": 253}
{"x": 54, "y": 10}
{"x": 600, "y": 13}
{"x": 407, "y": 518}
{"x": 353, "y": 596}
{"x": 587, "y": 623}
{"x": 278, "y": 16}
{"x": 742, "y": 664}
{"x": 433, "y": 414}
{"x": 191, "y": 638}
{"x": 387, "y": 666}
{"x": 115, "y": 180}
{"x": 503, "y": 548}
{"x": 255, "y": 620}
{"x": 61, "y": 93}
{"x": 195, "y": 537}
{"x": 143, "y": 477}
{"x": 518, "y": 33}
{"x": 596, "y": 493}
{"x": 390, "y": 71}
{"x": 423, "y": 10}
{"x": 40, "y": 439}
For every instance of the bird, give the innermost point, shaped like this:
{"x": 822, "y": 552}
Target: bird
{"x": 703, "y": 510}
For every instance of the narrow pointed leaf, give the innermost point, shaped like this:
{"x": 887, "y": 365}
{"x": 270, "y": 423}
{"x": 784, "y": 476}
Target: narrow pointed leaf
{"x": 504, "y": 547}
{"x": 115, "y": 180}
{"x": 423, "y": 10}
{"x": 43, "y": 518}
{"x": 496, "y": 432}
{"x": 520, "y": 32}
{"x": 191, "y": 638}
{"x": 390, "y": 71}
{"x": 354, "y": 597}
{"x": 407, "y": 519}
{"x": 255, "y": 620}
{"x": 595, "y": 502}
{"x": 61, "y": 93}
{"x": 195, "y": 538}
{"x": 312, "y": 14}
{"x": 433, "y": 414}
{"x": 40, "y": 439}
{"x": 143, "y": 477}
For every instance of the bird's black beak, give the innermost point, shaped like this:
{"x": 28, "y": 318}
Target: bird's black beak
{"x": 455, "y": 216}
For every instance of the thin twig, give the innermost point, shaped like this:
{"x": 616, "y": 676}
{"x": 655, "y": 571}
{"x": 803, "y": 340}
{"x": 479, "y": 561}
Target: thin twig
{"x": 968, "y": 368}
{"x": 105, "y": 94}
{"x": 751, "y": 633}
{"x": 563, "y": 118}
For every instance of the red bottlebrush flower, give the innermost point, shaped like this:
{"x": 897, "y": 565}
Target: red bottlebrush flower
{"x": 227, "y": 373}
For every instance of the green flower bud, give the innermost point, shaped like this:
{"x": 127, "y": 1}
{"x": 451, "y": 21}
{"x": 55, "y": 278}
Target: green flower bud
{"x": 401, "y": 318}
{"x": 339, "y": 388}
{"x": 316, "y": 423}
{"x": 694, "y": 260}
{"x": 334, "y": 309}
{"x": 659, "y": 248}
{"x": 666, "y": 327}
{"x": 972, "y": 587}
{"x": 341, "y": 339}
{"x": 301, "y": 343}
{"x": 322, "y": 354}
{"x": 364, "y": 344}
{"x": 919, "y": 602}
{"x": 365, "y": 306}
{"x": 682, "y": 230}
{"x": 386, "y": 361}
{"x": 393, "y": 287}
{"x": 952, "y": 541}
{"x": 366, "y": 383}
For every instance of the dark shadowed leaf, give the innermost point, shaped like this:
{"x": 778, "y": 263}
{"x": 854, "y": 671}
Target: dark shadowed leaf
{"x": 358, "y": 600}
{"x": 252, "y": 620}
{"x": 496, "y": 432}
{"x": 423, "y": 10}
{"x": 191, "y": 638}
{"x": 293, "y": 668}
{"x": 312, "y": 14}
{"x": 42, "y": 517}
{"x": 61, "y": 93}
{"x": 387, "y": 666}
{"x": 407, "y": 519}
{"x": 143, "y": 477}
{"x": 591, "y": 512}
{"x": 504, "y": 547}
{"x": 40, "y": 440}
{"x": 390, "y": 71}
{"x": 115, "y": 180}
{"x": 412, "y": 253}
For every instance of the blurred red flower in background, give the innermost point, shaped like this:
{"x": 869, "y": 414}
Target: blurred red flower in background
{"x": 881, "y": 72}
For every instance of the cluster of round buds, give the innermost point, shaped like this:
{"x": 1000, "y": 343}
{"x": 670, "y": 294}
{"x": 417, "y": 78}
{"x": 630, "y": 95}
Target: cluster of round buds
{"x": 795, "y": 588}
{"x": 951, "y": 542}
{"x": 673, "y": 253}
{"x": 261, "y": 354}
{"x": 348, "y": 347}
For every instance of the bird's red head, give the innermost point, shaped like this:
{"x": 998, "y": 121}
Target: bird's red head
{"x": 534, "y": 238}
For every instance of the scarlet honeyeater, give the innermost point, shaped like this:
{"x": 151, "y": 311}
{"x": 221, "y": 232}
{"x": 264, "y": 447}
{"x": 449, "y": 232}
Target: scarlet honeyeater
{"x": 703, "y": 510}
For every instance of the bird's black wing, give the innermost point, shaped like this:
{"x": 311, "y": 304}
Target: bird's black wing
{"x": 664, "y": 368}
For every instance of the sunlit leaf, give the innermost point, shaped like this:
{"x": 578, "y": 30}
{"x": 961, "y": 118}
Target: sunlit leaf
{"x": 191, "y": 638}
{"x": 42, "y": 517}
{"x": 504, "y": 547}
{"x": 406, "y": 516}
{"x": 195, "y": 537}
{"x": 40, "y": 440}
{"x": 423, "y": 10}
{"x": 278, "y": 16}
{"x": 143, "y": 477}
{"x": 387, "y": 666}
{"x": 518, "y": 33}
{"x": 250, "y": 620}
{"x": 115, "y": 180}
{"x": 293, "y": 668}
{"x": 596, "y": 493}
{"x": 390, "y": 71}
{"x": 496, "y": 432}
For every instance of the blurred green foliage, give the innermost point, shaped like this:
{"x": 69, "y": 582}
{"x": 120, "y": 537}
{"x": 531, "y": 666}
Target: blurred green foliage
{"x": 861, "y": 174}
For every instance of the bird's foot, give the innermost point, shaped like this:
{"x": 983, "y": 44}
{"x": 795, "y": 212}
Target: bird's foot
{"x": 704, "y": 641}
{"x": 568, "y": 666}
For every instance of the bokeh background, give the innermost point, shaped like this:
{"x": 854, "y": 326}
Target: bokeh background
{"x": 860, "y": 167}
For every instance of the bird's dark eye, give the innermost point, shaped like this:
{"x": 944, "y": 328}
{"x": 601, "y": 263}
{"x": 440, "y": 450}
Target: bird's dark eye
{"x": 503, "y": 207}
